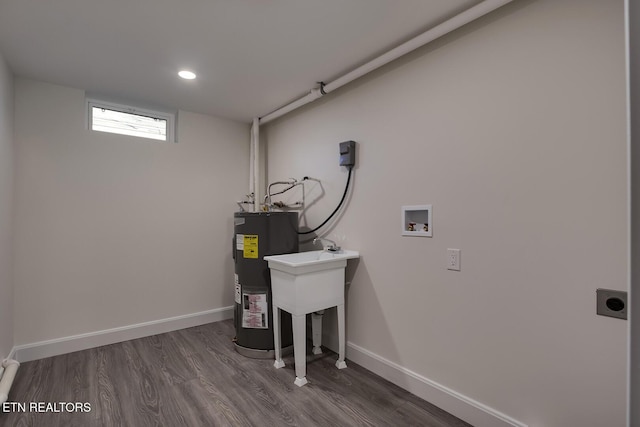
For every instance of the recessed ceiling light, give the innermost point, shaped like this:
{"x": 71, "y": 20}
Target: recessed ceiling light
{"x": 188, "y": 75}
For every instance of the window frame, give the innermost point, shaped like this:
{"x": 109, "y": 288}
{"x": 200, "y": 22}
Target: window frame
{"x": 169, "y": 117}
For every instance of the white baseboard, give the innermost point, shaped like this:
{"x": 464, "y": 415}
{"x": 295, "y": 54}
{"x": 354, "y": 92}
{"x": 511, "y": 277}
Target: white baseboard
{"x": 42, "y": 349}
{"x": 461, "y": 406}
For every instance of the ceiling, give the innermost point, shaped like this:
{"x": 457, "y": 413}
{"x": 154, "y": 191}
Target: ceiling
{"x": 251, "y": 56}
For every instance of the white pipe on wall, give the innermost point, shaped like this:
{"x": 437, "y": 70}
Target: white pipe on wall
{"x": 251, "y": 148}
{"x": 255, "y": 139}
{"x": 310, "y": 97}
{"x": 428, "y": 36}
{"x": 440, "y": 30}
{"x": 10, "y": 368}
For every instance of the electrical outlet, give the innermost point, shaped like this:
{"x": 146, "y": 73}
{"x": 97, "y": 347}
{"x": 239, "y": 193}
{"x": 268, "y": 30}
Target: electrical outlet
{"x": 453, "y": 259}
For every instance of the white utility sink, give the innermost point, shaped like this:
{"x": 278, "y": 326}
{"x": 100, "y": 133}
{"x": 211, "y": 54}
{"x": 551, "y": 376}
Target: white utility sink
{"x": 307, "y": 262}
{"x": 302, "y": 283}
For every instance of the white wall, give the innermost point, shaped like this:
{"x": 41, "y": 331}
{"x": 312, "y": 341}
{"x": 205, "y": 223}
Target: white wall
{"x": 6, "y": 209}
{"x": 633, "y": 19}
{"x": 113, "y": 230}
{"x": 514, "y": 129}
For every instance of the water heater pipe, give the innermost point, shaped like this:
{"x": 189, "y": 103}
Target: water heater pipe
{"x": 10, "y": 368}
{"x": 439, "y": 30}
{"x": 255, "y": 168}
{"x": 251, "y": 148}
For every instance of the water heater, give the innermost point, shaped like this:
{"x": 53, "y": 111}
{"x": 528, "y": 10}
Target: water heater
{"x": 257, "y": 234}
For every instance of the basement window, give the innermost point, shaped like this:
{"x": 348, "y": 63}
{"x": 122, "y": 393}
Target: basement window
{"x": 129, "y": 120}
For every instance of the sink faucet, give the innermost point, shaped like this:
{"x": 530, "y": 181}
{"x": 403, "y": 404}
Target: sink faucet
{"x": 332, "y": 247}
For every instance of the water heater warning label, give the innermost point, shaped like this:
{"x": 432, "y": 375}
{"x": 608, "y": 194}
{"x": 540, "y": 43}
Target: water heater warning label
{"x": 255, "y": 311}
{"x": 250, "y": 246}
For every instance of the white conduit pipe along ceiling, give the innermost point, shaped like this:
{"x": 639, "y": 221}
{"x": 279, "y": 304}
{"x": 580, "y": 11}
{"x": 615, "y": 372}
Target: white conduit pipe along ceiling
{"x": 428, "y": 36}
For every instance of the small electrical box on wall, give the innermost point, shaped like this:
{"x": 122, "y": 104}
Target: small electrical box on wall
{"x": 348, "y": 153}
{"x": 417, "y": 220}
{"x": 611, "y": 303}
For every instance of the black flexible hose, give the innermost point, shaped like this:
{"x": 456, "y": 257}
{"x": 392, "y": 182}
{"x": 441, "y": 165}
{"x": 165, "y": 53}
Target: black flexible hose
{"x": 344, "y": 196}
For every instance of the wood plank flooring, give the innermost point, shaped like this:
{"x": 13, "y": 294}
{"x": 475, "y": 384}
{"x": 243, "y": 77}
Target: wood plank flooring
{"x": 194, "y": 377}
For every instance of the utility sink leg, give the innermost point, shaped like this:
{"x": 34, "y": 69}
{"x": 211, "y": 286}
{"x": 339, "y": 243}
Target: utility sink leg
{"x": 316, "y": 330}
{"x": 299, "y": 348}
{"x": 300, "y": 381}
{"x": 279, "y": 363}
{"x": 341, "y": 364}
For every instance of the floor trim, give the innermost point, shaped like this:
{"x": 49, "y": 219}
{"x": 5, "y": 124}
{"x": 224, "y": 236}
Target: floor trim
{"x": 42, "y": 349}
{"x": 455, "y": 403}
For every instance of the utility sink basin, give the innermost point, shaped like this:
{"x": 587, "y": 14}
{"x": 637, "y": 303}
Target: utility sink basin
{"x": 304, "y": 282}
{"x": 308, "y": 282}
{"x": 307, "y": 262}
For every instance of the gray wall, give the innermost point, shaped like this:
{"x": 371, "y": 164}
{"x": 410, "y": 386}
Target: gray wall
{"x": 634, "y": 71}
{"x": 113, "y": 230}
{"x": 514, "y": 129}
{"x": 6, "y": 209}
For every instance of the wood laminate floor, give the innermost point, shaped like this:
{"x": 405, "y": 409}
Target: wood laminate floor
{"x": 194, "y": 377}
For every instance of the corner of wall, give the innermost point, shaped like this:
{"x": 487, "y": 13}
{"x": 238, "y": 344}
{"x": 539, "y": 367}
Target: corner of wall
{"x": 7, "y": 157}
